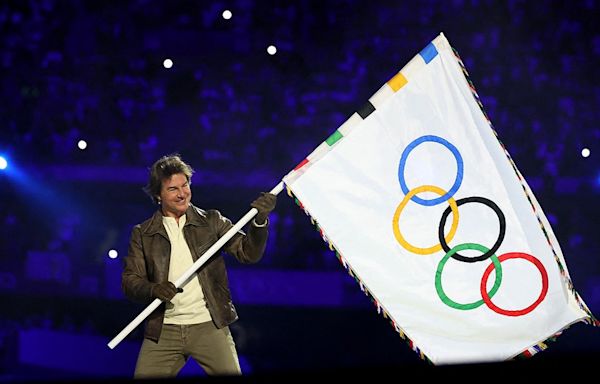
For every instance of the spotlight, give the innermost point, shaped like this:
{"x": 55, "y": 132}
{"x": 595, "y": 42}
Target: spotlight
{"x": 113, "y": 254}
{"x": 585, "y": 152}
{"x": 271, "y": 50}
{"x": 227, "y": 14}
{"x": 82, "y": 144}
{"x": 3, "y": 163}
{"x": 168, "y": 63}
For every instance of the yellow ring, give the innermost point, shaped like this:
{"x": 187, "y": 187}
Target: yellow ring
{"x": 448, "y": 237}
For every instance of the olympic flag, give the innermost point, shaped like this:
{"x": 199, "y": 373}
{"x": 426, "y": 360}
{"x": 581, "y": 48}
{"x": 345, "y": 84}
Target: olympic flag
{"x": 426, "y": 209}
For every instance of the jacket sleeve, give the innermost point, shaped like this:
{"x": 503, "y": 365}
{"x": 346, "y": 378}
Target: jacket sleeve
{"x": 246, "y": 248}
{"x": 134, "y": 279}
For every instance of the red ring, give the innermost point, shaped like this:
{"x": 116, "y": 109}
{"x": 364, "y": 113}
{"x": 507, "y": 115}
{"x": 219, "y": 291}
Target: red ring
{"x": 520, "y": 312}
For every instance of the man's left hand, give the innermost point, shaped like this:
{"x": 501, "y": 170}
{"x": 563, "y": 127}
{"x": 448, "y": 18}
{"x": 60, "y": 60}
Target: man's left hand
{"x": 265, "y": 203}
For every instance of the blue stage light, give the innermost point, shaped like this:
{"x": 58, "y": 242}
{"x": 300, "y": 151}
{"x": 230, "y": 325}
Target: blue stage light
{"x": 3, "y": 163}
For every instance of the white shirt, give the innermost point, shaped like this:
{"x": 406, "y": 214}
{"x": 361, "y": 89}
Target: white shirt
{"x": 188, "y": 307}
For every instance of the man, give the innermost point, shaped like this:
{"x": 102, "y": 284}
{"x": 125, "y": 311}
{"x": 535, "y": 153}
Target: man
{"x": 193, "y": 321}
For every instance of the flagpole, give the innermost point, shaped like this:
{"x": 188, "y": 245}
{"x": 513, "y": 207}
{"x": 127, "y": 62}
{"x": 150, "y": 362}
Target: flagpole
{"x": 197, "y": 264}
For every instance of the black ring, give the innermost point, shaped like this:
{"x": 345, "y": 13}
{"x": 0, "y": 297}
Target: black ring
{"x": 484, "y": 201}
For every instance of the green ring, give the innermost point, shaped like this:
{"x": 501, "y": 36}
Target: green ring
{"x": 438, "y": 276}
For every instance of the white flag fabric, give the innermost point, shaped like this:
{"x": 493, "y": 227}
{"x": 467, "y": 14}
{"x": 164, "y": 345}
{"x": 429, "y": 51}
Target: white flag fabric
{"x": 426, "y": 209}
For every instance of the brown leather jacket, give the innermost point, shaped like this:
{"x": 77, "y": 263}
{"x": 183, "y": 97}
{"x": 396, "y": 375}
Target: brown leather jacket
{"x": 147, "y": 262}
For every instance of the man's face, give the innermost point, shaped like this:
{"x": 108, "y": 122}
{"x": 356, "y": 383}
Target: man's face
{"x": 175, "y": 195}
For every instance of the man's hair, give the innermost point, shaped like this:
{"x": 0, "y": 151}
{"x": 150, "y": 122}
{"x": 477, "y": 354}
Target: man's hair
{"x": 163, "y": 169}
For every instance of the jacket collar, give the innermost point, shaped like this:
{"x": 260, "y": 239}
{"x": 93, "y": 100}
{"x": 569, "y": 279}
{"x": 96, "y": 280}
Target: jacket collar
{"x": 194, "y": 216}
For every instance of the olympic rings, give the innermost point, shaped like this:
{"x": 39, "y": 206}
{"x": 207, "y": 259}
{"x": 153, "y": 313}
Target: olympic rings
{"x": 515, "y": 255}
{"x": 459, "y": 173}
{"x": 444, "y": 240}
{"x": 398, "y": 234}
{"x": 438, "y": 277}
{"x": 501, "y": 219}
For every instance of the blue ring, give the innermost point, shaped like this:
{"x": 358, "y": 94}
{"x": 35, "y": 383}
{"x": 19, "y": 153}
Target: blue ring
{"x": 459, "y": 173}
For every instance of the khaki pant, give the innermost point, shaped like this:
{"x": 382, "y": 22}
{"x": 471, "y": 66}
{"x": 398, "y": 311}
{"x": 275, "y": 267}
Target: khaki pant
{"x": 212, "y": 348}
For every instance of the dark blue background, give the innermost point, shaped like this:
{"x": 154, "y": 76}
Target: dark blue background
{"x": 93, "y": 70}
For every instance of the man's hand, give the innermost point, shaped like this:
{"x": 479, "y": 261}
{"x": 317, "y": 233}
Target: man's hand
{"x": 165, "y": 291}
{"x": 265, "y": 203}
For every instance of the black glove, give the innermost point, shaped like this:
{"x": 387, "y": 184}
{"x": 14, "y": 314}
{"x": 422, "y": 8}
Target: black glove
{"x": 265, "y": 203}
{"x": 165, "y": 291}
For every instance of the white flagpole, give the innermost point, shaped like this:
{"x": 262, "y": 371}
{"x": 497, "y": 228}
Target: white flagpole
{"x": 197, "y": 264}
